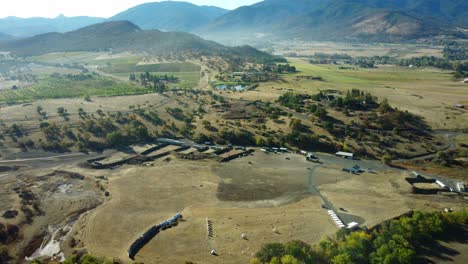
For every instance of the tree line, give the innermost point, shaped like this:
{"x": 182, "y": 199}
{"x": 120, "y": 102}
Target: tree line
{"x": 397, "y": 241}
{"x": 454, "y": 59}
{"x": 157, "y": 82}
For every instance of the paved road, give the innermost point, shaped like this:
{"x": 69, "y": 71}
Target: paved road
{"x": 345, "y": 218}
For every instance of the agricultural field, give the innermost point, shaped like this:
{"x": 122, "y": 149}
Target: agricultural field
{"x": 309, "y": 48}
{"x": 187, "y": 73}
{"x": 430, "y": 93}
{"x": 120, "y": 66}
{"x": 51, "y": 87}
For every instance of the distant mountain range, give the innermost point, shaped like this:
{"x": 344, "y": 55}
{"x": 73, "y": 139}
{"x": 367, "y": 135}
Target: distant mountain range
{"x": 379, "y": 20}
{"x": 26, "y": 27}
{"x": 125, "y": 36}
{"x": 360, "y": 20}
{"x": 5, "y": 37}
{"x": 170, "y": 16}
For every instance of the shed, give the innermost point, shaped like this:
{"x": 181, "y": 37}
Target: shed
{"x": 346, "y": 155}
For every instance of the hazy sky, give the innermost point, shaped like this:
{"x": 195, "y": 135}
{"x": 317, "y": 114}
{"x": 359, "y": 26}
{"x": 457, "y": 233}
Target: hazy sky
{"x": 100, "y": 8}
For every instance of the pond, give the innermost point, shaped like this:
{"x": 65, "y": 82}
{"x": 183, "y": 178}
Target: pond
{"x": 227, "y": 87}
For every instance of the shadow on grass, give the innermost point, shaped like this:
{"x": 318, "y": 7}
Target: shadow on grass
{"x": 434, "y": 251}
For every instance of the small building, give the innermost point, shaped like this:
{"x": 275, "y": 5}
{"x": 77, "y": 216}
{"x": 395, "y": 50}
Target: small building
{"x": 466, "y": 80}
{"x": 461, "y": 187}
{"x": 345, "y": 155}
{"x": 459, "y": 106}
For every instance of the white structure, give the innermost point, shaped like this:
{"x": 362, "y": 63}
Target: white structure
{"x": 441, "y": 184}
{"x": 336, "y": 219}
{"x": 352, "y": 225}
{"x": 461, "y": 186}
{"x": 415, "y": 174}
{"x": 346, "y": 155}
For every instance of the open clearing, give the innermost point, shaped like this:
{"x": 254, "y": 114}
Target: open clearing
{"x": 250, "y": 195}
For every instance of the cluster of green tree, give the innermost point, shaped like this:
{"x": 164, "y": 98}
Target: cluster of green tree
{"x": 252, "y": 76}
{"x": 74, "y": 77}
{"x": 8, "y": 233}
{"x": 280, "y": 68}
{"x": 354, "y": 99}
{"x": 79, "y": 259}
{"x": 157, "y": 82}
{"x": 427, "y": 61}
{"x": 304, "y": 141}
{"x": 396, "y": 241}
{"x": 61, "y": 111}
{"x": 397, "y": 121}
{"x": 293, "y": 100}
{"x": 42, "y": 113}
{"x": 363, "y": 62}
{"x": 177, "y": 113}
{"x": 461, "y": 70}
{"x": 273, "y": 112}
{"x": 150, "y": 116}
{"x": 14, "y": 131}
{"x": 135, "y": 131}
{"x": 454, "y": 157}
{"x": 455, "y": 51}
{"x": 216, "y": 97}
{"x": 242, "y": 137}
{"x": 452, "y": 53}
{"x": 54, "y": 137}
{"x": 383, "y": 116}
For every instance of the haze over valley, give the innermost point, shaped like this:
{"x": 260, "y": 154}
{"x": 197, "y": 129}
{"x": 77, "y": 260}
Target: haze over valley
{"x": 275, "y": 131}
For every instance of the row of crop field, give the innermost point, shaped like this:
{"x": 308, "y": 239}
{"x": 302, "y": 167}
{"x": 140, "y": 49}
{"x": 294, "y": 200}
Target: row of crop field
{"x": 163, "y": 67}
{"x": 51, "y": 87}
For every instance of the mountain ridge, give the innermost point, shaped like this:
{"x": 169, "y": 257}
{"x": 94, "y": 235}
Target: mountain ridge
{"x": 126, "y": 36}
{"x": 26, "y": 27}
{"x": 343, "y": 20}
{"x": 169, "y": 15}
